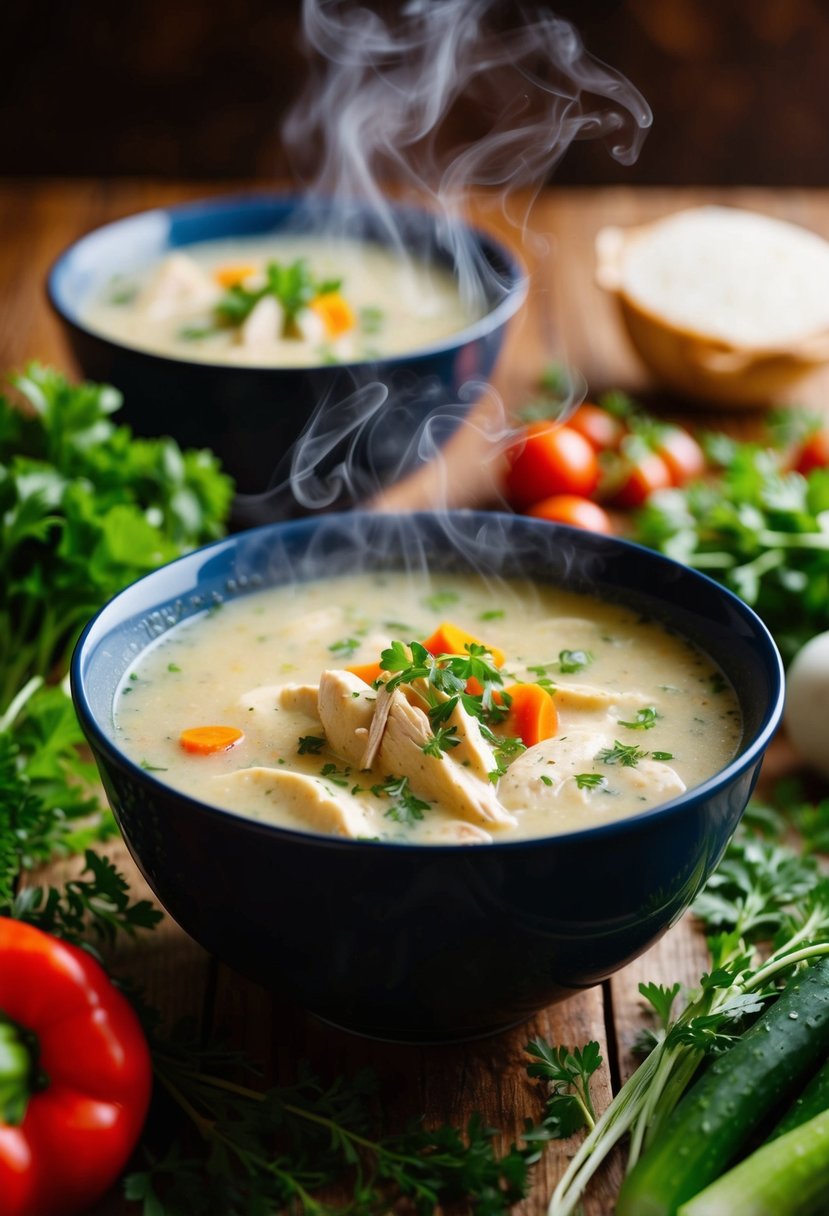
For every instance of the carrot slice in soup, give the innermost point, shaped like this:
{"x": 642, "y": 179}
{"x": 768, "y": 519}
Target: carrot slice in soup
{"x": 451, "y": 639}
{"x": 204, "y": 740}
{"x": 366, "y": 671}
{"x": 532, "y": 715}
{"x": 229, "y": 276}
{"x": 335, "y": 312}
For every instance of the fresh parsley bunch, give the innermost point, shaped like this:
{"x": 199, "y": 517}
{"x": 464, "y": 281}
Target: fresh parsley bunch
{"x": 760, "y": 530}
{"x": 85, "y": 508}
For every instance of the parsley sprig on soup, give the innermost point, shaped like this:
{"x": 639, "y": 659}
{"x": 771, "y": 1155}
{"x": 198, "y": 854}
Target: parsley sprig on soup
{"x": 377, "y": 707}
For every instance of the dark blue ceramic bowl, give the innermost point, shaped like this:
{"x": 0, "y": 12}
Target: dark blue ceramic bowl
{"x": 420, "y": 942}
{"x": 253, "y": 416}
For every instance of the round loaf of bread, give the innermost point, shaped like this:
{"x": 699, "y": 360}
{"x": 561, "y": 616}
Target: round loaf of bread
{"x": 723, "y": 304}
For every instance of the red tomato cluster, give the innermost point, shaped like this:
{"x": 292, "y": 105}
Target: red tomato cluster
{"x": 559, "y": 471}
{"x": 813, "y": 453}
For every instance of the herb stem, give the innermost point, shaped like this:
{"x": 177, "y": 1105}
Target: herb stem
{"x": 301, "y": 1112}
{"x": 204, "y": 1126}
{"x": 780, "y": 963}
{"x": 17, "y": 702}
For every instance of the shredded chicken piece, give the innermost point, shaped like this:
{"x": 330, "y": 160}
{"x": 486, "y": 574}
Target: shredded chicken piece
{"x": 473, "y": 751}
{"x": 298, "y": 698}
{"x": 587, "y": 697}
{"x": 542, "y": 772}
{"x": 178, "y": 280}
{"x": 403, "y": 730}
{"x": 378, "y": 725}
{"x": 345, "y": 706}
{"x": 438, "y": 778}
{"x": 308, "y": 799}
{"x": 263, "y": 324}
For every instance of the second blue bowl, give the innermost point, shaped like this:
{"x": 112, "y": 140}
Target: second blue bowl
{"x": 252, "y": 417}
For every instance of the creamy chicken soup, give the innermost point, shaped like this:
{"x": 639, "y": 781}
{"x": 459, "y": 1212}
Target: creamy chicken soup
{"x": 280, "y": 302}
{"x": 559, "y": 711}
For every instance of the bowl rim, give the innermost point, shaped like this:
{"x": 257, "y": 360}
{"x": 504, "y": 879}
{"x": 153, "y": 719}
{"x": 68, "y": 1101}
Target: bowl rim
{"x": 747, "y": 756}
{"x": 492, "y": 319}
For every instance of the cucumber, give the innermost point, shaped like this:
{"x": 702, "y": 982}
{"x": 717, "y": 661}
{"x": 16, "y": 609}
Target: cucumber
{"x": 784, "y": 1177}
{"x": 813, "y": 1101}
{"x": 717, "y": 1116}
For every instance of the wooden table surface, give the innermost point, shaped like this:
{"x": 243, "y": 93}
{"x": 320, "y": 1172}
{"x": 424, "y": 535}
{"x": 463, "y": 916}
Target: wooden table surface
{"x": 567, "y": 317}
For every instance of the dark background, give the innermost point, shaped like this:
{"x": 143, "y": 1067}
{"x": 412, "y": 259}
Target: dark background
{"x": 189, "y": 89}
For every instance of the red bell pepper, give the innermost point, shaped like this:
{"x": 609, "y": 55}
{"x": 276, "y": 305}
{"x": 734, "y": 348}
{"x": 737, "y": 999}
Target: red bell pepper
{"x": 75, "y": 1076}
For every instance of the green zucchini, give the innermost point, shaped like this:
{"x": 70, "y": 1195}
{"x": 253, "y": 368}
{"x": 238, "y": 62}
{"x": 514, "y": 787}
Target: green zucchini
{"x": 813, "y": 1101}
{"x": 784, "y": 1177}
{"x": 717, "y": 1116}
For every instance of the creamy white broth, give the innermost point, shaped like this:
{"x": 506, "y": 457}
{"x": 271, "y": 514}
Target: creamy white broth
{"x": 256, "y": 663}
{"x": 396, "y": 306}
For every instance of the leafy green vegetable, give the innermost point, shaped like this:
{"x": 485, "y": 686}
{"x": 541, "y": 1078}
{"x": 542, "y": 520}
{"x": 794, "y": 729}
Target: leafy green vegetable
{"x": 766, "y": 911}
{"x": 85, "y": 509}
{"x": 626, "y": 754}
{"x": 310, "y": 745}
{"x": 567, "y": 1073}
{"x": 371, "y": 319}
{"x": 720, "y": 1113}
{"x": 344, "y": 648}
{"x": 590, "y": 781}
{"x": 407, "y": 808}
{"x": 448, "y": 674}
{"x": 574, "y": 660}
{"x": 644, "y": 720}
{"x": 292, "y": 285}
{"x": 761, "y": 531}
{"x": 443, "y": 740}
{"x": 273, "y": 1151}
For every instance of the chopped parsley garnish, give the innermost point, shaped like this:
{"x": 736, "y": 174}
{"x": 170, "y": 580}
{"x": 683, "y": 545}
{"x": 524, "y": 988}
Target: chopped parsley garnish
{"x": 443, "y": 740}
{"x": 122, "y": 291}
{"x": 573, "y": 660}
{"x": 339, "y": 776}
{"x": 344, "y": 648}
{"x": 398, "y": 627}
{"x": 493, "y": 614}
{"x": 195, "y": 333}
{"x": 448, "y": 674}
{"x": 371, "y": 319}
{"x": 173, "y": 667}
{"x": 547, "y": 780}
{"x": 441, "y": 600}
{"x": 506, "y": 748}
{"x": 644, "y": 720}
{"x": 626, "y": 754}
{"x": 541, "y": 677}
{"x": 407, "y": 808}
{"x": 152, "y": 768}
{"x": 310, "y": 745}
{"x": 292, "y": 285}
{"x": 662, "y": 755}
{"x": 590, "y": 781}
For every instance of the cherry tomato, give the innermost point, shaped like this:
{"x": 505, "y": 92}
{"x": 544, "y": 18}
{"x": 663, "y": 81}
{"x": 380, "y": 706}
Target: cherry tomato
{"x": 814, "y": 454}
{"x": 601, "y": 429}
{"x": 681, "y": 453}
{"x": 573, "y": 510}
{"x": 550, "y": 460}
{"x": 646, "y": 473}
